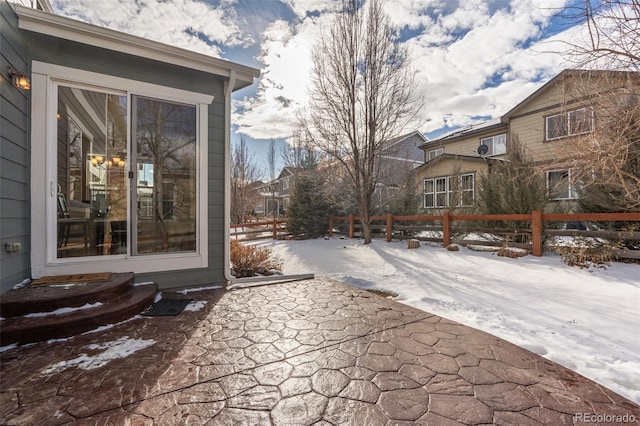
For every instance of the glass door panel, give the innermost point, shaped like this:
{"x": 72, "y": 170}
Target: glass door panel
{"x": 91, "y": 159}
{"x": 165, "y": 190}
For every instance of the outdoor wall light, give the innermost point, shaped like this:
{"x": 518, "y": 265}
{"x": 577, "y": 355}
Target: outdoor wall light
{"x": 21, "y": 81}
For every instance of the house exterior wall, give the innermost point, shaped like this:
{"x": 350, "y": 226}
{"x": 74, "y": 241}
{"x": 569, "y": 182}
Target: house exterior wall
{"x": 450, "y": 166}
{"x": 528, "y": 124}
{"x": 14, "y": 154}
{"x": 464, "y": 145}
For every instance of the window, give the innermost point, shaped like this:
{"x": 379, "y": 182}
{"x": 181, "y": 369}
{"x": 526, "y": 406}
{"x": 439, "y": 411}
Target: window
{"x": 429, "y": 199}
{"x": 444, "y": 191}
{"x": 129, "y": 159}
{"x": 285, "y": 183}
{"x": 497, "y": 144}
{"x": 572, "y": 123}
{"x": 434, "y": 153}
{"x": 560, "y": 186}
{"x": 467, "y": 190}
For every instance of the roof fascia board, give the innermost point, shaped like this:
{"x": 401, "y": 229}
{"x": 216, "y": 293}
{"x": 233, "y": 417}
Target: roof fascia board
{"x": 512, "y": 111}
{"x": 93, "y": 35}
{"x": 446, "y": 140}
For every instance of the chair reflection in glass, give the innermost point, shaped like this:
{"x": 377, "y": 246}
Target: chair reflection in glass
{"x": 66, "y": 222}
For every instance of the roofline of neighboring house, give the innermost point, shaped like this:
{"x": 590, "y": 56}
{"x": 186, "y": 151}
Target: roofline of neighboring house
{"x": 503, "y": 120}
{"x": 462, "y": 134}
{"x": 552, "y": 81}
{"x": 408, "y": 135}
{"x": 71, "y": 29}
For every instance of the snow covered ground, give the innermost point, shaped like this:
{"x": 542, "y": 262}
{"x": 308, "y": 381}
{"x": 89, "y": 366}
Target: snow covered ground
{"x": 586, "y": 320}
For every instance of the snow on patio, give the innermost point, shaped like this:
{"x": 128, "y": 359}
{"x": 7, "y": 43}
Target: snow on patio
{"x": 586, "y": 320}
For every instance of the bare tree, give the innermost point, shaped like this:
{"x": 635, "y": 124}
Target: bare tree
{"x": 604, "y": 159}
{"x": 299, "y": 152}
{"x": 244, "y": 172}
{"x": 271, "y": 163}
{"x": 612, "y": 34}
{"x": 363, "y": 94}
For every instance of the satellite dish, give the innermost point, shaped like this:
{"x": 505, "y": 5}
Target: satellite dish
{"x": 483, "y": 149}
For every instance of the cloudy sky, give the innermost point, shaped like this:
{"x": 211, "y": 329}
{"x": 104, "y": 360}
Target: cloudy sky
{"x": 474, "y": 59}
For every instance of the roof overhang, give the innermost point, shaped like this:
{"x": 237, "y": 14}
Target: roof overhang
{"x": 463, "y": 134}
{"x": 71, "y": 29}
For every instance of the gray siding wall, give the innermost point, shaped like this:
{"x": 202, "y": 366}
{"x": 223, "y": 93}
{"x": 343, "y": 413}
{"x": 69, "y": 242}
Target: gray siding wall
{"x": 14, "y": 153}
{"x": 71, "y": 54}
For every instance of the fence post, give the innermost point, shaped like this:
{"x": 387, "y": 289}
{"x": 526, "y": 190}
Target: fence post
{"x": 389, "y": 226}
{"x": 275, "y": 229}
{"x": 536, "y": 233}
{"x": 351, "y": 226}
{"x": 330, "y": 226}
{"x": 446, "y": 229}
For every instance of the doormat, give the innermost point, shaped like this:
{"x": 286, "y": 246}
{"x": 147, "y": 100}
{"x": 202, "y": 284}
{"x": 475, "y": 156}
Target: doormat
{"x": 77, "y": 278}
{"x": 166, "y": 307}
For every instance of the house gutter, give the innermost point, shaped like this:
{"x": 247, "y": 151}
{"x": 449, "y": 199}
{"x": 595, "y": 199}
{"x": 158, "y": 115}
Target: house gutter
{"x": 231, "y": 281}
{"x": 228, "y": 90}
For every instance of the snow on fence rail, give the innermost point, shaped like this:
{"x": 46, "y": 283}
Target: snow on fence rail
{"x": 272, "y": 229}
{"x": 516, "y": 230}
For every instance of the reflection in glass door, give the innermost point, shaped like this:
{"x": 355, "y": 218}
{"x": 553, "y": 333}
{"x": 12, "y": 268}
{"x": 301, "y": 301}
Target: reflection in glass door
{"x": 91, "y": 163}
{"x": 164, "y": 134}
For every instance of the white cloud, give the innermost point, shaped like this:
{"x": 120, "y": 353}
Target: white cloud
{"x": 473, "y": 58}
{"x": 302, "y": 8}
{"x": 283, "y": 87}
{"x": 182, "y": 23}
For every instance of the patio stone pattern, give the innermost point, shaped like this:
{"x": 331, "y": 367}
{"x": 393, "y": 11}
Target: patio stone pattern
{"x": 313, "y": 352}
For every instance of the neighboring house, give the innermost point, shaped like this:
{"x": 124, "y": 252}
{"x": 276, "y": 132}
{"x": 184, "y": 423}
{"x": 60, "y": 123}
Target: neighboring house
{"x": 543, "y": 122}
{"x": 276, "y": 194}
{"x": 115, "y": 159}
{"x": 397, "y": 159}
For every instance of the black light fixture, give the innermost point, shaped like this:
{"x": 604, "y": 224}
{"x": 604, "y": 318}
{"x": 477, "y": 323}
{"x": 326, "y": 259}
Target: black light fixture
{"x": 21, "y": 81}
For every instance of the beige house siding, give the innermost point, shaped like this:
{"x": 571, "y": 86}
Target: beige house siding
{"x": 450, "y": 166}
{"x": 467, "y": 145}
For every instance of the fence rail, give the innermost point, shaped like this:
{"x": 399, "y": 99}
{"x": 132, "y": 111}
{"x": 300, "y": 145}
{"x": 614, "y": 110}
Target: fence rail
{"x": 513, "y": 231}
{"x": 265, "y": 230}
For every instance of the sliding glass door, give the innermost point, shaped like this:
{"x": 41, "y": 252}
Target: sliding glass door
{"x": 91, "y": 178}
{"x": 164, "y": 134}
{"x": 121, "y": 195}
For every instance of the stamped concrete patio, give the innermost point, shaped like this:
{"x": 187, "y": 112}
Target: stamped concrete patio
{"x": 308, "y": 352}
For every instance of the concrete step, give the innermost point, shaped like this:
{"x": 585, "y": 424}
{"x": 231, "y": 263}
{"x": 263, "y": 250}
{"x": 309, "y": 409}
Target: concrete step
{"x": 105, "y": 311}
{"x": 50, "y": 297}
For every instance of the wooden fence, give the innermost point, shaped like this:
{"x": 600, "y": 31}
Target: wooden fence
{"x": 513, "y": 229}
{"x": 264, "y": 230}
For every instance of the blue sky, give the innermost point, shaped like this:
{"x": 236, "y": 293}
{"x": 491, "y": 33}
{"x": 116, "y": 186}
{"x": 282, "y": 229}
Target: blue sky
{"x": 474, "y": 59}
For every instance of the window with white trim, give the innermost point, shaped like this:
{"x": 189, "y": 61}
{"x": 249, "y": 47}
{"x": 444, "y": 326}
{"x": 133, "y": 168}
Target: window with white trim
{"x": 560, "y": 185}
{"x": 497, "y": 145}
{"x": 576, "y": 122}
{"x": 434, "y": 153}
{"x": 444, "y": 191}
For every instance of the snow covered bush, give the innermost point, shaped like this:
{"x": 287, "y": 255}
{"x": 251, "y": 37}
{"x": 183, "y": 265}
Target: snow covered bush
{"x": 249, "y": 261}
{"x": 585, "y": 252}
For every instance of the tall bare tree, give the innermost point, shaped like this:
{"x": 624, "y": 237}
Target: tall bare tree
{"x": 244, "y": 172}
{"x": 363, "y": 94}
